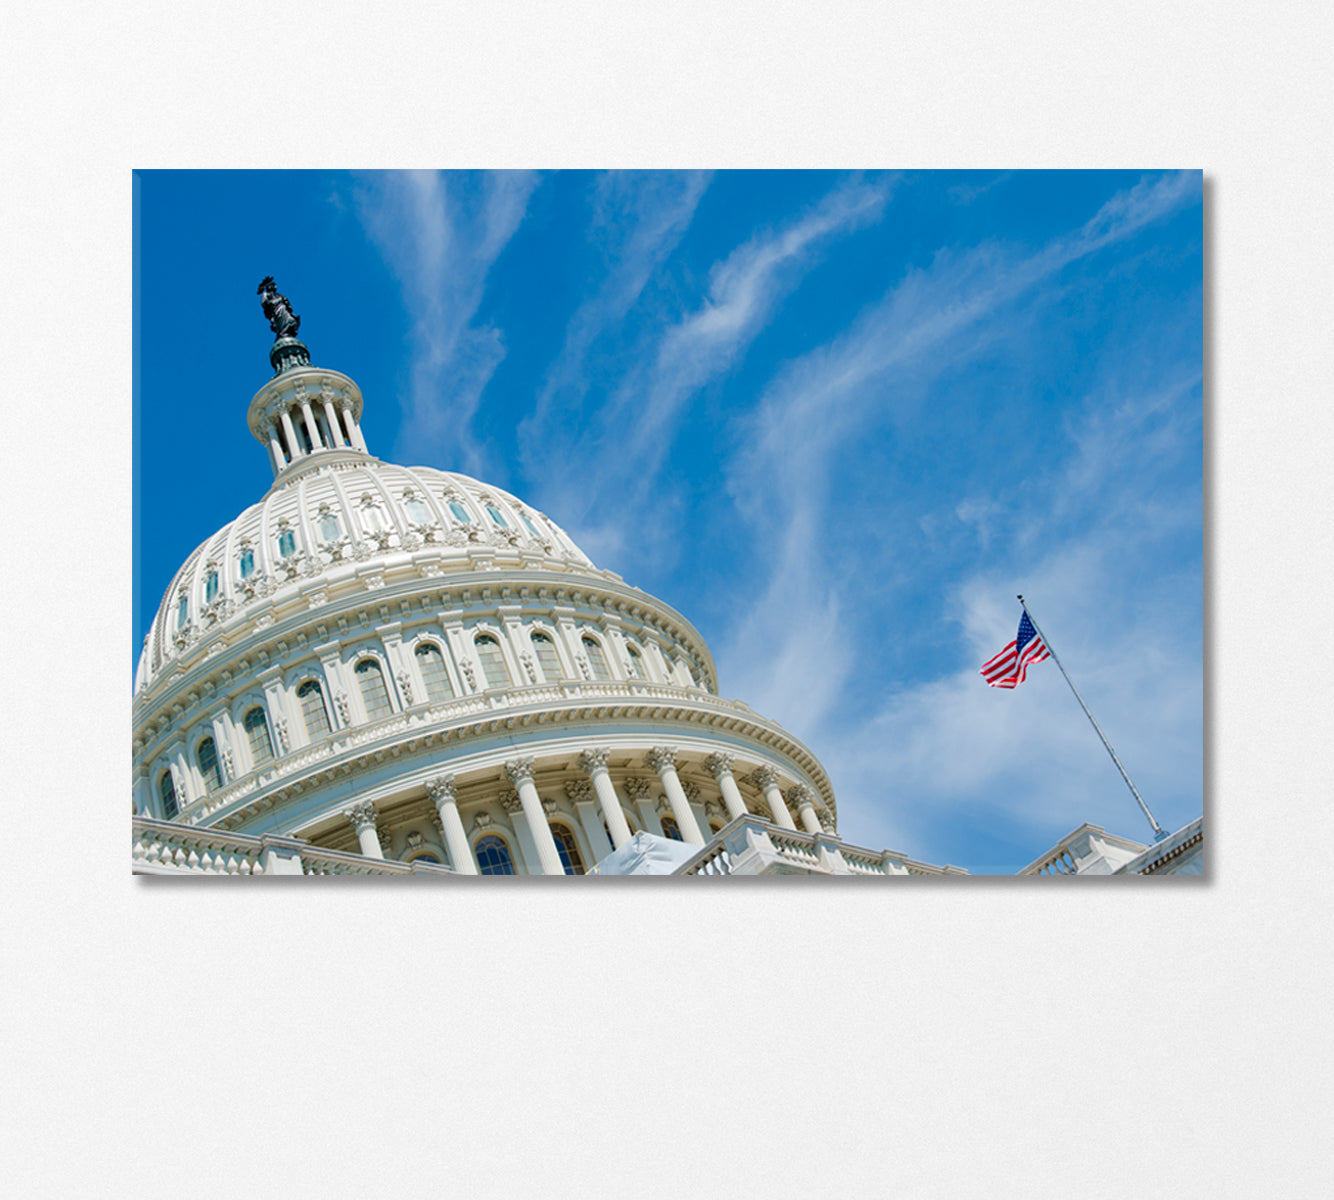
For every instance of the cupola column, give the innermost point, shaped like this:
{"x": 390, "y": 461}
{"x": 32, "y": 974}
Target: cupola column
{"x": 594, "y": 762}
{"x": 443, "y": 797}
{"x": 331, "y": 417}
{"x": 767, "y": 780}
{"x": 520, "y": 771}
{"x": 312, "y": 426}
{"x": 276, "y": 451}
{"x": 663, "y": 760}
{"x": 720, "y": 767}
{"x": 362, "y": 817}
{"x": 290, "y": 430}
{"x": 353, "y": 430}
{"x": 804, "y": 801}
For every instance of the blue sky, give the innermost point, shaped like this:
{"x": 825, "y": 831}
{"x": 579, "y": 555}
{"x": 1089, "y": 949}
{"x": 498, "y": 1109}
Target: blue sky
{"x": 837, "y": 419}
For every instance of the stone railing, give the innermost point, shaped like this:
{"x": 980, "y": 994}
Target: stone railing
{"x": 1088, "y": 850}
{"x": 165, "y": 848}
{"x": 751, "y": 845}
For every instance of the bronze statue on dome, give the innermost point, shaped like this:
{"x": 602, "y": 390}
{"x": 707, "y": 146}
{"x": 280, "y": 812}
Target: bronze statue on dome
{"x": 278, "y": 308}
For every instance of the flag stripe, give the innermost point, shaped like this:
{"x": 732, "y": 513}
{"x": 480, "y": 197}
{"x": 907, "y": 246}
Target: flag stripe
{"x": 1009, "y": 668}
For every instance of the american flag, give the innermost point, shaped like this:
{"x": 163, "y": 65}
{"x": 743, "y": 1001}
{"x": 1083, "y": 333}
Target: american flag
{"x": 1010, "y": 667}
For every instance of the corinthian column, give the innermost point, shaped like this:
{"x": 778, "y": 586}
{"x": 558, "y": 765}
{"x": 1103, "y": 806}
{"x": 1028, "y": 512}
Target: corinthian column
{"x": 298, "y": 451}
{"x": 520, "y": 771}
{"x": 442, "y": 796}
{"x": 362, "y": 817}
{"x": 663, "y": 760}
{"x": 720, "y": 767}
{"x": 803, "y": 799}
{"x": 595, "y": 763}
{"x": 766, "y": 778}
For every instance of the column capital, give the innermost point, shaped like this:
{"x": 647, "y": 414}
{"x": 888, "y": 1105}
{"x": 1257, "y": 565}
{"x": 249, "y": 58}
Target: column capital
{"x": 520, "y": 770}
{"x": 660, "y": 758}
{"x": 595, "y": 759}
{"x": 800, "y": 795}
{"x": 361, "y": 815}
{"x": 640, "y": 789}
{"x": 764, "y": 777}
{"x": 579, "y": 790}
{"x": 719, "y": 764}
{"x": 826, "y": 818}
{"x": 441, "y": 788}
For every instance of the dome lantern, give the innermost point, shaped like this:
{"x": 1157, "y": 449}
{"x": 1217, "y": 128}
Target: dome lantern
{"x": 304, "y": 414}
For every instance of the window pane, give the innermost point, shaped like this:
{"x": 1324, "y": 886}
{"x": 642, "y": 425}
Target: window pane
{"x": 312, "y": 709}
{"x": 208, "y": 764}
{"x": 257, "y": 730}
{"x": 247, "y": 563}
{"x": 597, "y": 661}
{"x": 432, "y": 665}
{"x": 568, "y": 849}
{"x": 546, "y": 656}
{"x": 167, "y": 790}
{"x": 493, "y": 856}
{"x": 493, "y": 662}
{"x": 671, "y": 829}
{"x": 373, "y": 690}
{"x": 460, "y": 513}
{"x": 182, "y": 612}
{"x": 211, "y": 587}
{"x": 531, "y": 527}
{"x": 418, "y": 513}
{"x": 636, "y": 663}
{"x": 286, "y": 544}
{"x": 497, "y": 516}
{"x": 329, "y": 528}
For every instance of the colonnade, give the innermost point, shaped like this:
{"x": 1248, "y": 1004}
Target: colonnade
{"x": 338, "y": 430}
{"x": 525, "y": 802}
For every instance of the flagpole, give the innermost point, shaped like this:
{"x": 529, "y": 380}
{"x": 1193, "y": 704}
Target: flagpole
{"x": 1158, "y": 831}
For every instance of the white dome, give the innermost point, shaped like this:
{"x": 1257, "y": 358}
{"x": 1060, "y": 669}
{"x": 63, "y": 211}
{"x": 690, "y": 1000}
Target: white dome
{"x": 337, "y": 526}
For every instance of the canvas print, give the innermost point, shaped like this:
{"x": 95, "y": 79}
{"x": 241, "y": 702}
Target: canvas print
{"x": 729, "y": 523}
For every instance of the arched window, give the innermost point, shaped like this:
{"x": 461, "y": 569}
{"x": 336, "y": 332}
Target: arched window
{"x": 313, "y": 711}
{"x": 568, "y": 849}
{"x": 493, "y": 856}
{"x": 167, "y": 790}
{"x": 427, "y": 857}
{"x": 286, "y": 544}
{"x": 492, "y": 660}
{"x": 211, "y": 587}
{"x": 597, "y": 661}
{"x": 545, "y": 649}
{"x": 434, "y": 675}
{"x": 671, "y": 829}
{"x": 207, "y": 754}
{"x": 373, "y": 691}
{"x": 714, "y": 827}
{"x": 460, "y": 513}
{"x": 257, "y": 730}
{"x": 636, "y": 662}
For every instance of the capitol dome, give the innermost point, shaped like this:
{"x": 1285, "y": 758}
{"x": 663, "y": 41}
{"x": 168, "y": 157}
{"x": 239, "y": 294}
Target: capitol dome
{"x": 407, "y": 665}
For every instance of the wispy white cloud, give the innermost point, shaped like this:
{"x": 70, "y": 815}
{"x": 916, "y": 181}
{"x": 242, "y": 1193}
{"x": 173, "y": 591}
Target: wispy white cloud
{"x": 441, "y": 239}
{"x": 786, "y": 654}
{"x": 639, "y": 218}
{"x": 626, "y": 442}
